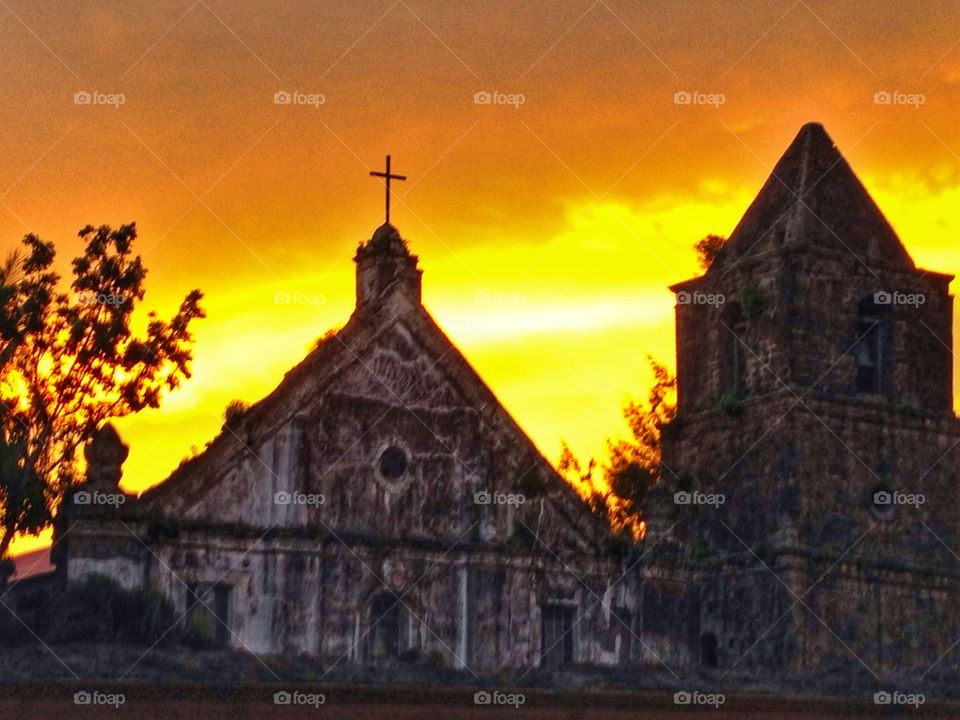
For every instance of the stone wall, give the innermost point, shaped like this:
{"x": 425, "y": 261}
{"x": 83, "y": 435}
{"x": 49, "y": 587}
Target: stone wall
{"x": 291, "y": 594}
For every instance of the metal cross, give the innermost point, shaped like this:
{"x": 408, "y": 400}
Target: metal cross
{"x": 388, "y": 176}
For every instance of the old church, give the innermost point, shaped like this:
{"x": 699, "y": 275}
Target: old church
{"x": 381, "y": 503}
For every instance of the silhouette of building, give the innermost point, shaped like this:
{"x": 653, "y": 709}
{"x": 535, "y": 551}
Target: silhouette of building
{"x": 379, "y": 504}
{"x": 810, "y": 470}
{"x": 369, "y": 507}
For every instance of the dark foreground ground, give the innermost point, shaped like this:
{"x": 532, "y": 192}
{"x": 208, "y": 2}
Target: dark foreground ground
{"x": 116, "y": 680}
{"x": 47, "y": 701}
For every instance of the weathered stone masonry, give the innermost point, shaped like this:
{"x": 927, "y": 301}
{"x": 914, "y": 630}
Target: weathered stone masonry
{"x": 343, "y": 516}
{"x": 820, "y": 384}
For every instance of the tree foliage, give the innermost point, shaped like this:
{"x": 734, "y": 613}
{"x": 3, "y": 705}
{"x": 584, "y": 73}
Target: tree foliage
{"x": 233, "y": 413}
{"x": 617, "y": 490}
{"x": 707, "y": 250}
{"x": 70, "y": 360}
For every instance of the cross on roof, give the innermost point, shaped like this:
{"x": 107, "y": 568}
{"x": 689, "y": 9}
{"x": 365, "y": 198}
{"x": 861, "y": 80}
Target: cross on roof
{"x": 388, "y": 176}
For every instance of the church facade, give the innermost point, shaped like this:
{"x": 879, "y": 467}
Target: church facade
{"x": 379, "y": 504}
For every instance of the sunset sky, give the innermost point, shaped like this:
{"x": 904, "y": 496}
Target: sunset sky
{"x": 548, "y": 229}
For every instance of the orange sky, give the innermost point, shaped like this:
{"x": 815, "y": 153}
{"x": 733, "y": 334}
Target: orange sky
{"x": 548, "y": 231}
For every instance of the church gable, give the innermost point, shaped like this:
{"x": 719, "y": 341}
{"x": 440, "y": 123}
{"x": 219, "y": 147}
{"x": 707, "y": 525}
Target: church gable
{"x": 384, "y": 432}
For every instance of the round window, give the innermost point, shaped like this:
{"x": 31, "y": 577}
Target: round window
{"x": 393, "y": 463}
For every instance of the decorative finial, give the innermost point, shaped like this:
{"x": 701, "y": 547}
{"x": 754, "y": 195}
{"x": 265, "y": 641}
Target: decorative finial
{"x": 105, "y": 454}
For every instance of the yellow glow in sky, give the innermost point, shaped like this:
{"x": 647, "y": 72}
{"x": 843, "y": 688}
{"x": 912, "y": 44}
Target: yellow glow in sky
{"x": 548, "y": 230}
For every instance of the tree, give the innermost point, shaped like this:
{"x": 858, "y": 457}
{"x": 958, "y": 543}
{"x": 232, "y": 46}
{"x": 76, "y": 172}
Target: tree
{"x": 583, "y": 480}
{"x": 633, "y": 465}
{"x": 70, "y": 361}
{"x": 707, "y": 250}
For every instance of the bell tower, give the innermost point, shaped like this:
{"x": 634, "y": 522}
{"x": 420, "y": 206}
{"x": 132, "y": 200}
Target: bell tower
{"x": 815, "y": 292}
{"x": 811, "y": 472}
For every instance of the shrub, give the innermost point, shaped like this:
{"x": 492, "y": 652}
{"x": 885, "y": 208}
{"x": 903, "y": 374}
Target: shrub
{"x": 24, "y": 612}
{"x": 199, "y": 632}
{"x": 98, "y": 609}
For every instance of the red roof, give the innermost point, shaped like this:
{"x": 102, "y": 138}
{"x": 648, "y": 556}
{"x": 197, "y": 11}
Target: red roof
{"x": 32, "y": 563}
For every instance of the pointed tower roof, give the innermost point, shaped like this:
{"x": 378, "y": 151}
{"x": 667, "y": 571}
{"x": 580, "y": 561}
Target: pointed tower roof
{"x": 813, "y": 198}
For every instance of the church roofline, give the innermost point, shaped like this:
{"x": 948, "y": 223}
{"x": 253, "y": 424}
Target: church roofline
{"x": 361, "y": 329}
